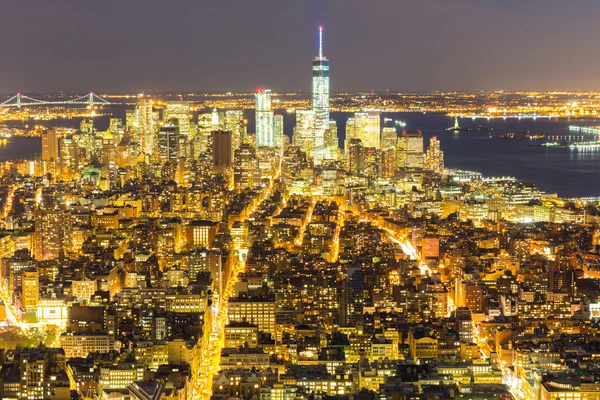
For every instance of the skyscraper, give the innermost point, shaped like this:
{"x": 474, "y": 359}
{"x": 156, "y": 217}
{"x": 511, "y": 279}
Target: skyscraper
{"x": 168, "y": 142}
{"x": 264, "y": 119}
{"x": 180, "y": 110}
{"x": 50, "y": 145}
{"x": 146, "y": 125}
{"x": 304, "y": 132}
{"x": 320, "y": 93}
{"x": 278, "y": 131}
{"x": 365, "y": 126}
{"x": 222, "y": 154}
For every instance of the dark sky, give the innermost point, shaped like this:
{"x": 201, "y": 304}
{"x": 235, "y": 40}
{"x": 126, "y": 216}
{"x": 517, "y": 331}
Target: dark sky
{"x": 229, "y": 45}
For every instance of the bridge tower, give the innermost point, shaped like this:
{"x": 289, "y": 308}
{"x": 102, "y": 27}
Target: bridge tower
{"x": 91, "y": 99}
{"x": 19, "y": 100}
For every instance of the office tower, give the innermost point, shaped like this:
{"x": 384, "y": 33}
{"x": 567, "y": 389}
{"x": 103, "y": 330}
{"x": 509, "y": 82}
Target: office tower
{"x": 366, "y": 127}
{"x": 235, "y": 123}
{"x": 168, "y": 142}
{"x": 69, "y": 157}
{"x": 52, "y": 232}
{"x": 389, "y": 138}
{"x": 264, "y": 119}
{"x": 180, "y": 111}
{"x": 244, "y": 167}
{"x": 30, "y": 289}
{"x": 109, "y": 150}
{"x": 50, "y": 145}
{"x": 222, "y": 154}
{"x": 434, "y": 159}
{"x": 203, "y": 136}
{"x": 356, "y": 156}
{"x": 410, "y": 150}
{"x": 388, "y": 163}
{"x": 217, "y": 120}
{"x": 278, "y": 131}
{"x": 304, "y": 131}
{"x": 146, "y": 125}
{"x": 116, "y": 128}
{"x": 353, "y": 296}
{"x": 320, "y": 93}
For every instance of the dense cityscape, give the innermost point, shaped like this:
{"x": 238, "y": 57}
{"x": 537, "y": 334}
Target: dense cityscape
{"x": 184, "y": 253}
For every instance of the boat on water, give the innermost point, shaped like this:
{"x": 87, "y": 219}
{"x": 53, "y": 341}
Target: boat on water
{"x": 520, "y": 135}
{"x": 458, "y": 128}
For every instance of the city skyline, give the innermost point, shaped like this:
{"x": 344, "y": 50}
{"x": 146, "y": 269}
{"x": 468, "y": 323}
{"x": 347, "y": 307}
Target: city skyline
{"x": 460, "y": 45}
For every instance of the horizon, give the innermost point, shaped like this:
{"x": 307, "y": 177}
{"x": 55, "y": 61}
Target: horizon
{"x": 410, "y": 46}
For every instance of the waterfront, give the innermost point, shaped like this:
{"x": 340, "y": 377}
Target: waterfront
{"x": 569, "y": 173}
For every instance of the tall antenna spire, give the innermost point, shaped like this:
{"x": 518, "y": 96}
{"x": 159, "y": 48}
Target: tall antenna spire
{"x": 320, "y": 42}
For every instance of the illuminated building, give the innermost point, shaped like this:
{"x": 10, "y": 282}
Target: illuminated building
{"x": 69, "y": 158}
{"x": 52, "y": 230}
{"x": 200, "y": 234}
{"x": 146, "y": 125}
{"x": 264, "y": 119}
{"x": 320, "y": 93}
{"x": 109, "y": 155}
{"x": 168, "y": 142}
{"x": 30, "y": 289}
{"x": 81, "y": 344}
{"x": 234, "y": 122}
{"x": 180, "y": 111}
{"x": 389, "y": 138}
{"x": 353, "y": 296}
{"x": 222, "y": 151}
{"x": 410, "y": 150}
{"x": 260, "y": 312}
{"x": 50, "y": 145}
{"x": 304, "y": 131}
{"x": 365, "y": 126}
{"x": 239, "y": 334}
{"x": 422, "y": 345}
{"x": 84, "y": 290}
{"x": 120, "y": 376}
{"x": 278, "y": 133}
{"x": 434, "y": 159}
{"x": 244, "y": 167}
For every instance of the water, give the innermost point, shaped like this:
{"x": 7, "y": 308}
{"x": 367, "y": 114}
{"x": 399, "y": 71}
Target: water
{"x": 555, "y": 170}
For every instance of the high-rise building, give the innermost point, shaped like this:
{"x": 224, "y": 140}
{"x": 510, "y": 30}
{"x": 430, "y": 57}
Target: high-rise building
{"x": 179, "y": 110}
{"x": 146, "y": 125}
{"x": 50, "y": 145}
{"x": 434, "y": 159}
{"x": 353, "y": 296}
{"x": 222, "y": 154}
{"x": 235, "y": 123}
{"x": 109, "y": 150}
{"x": 244, "y": 167}
{"x": 52, "y": 229}
{"x": 168, "y": 142}
{"x": 410, "y": 150}
{"x": 366, "y": 127}
{"x": 278, "y": 131}
{"x": 30, "y": 289}
{"x": 69, "y": 157}
{"x": 264, "y": 119}
{"x": 304, "y": 131}
{"x": 389, "y": 138}
{"x": 320, "y": 93}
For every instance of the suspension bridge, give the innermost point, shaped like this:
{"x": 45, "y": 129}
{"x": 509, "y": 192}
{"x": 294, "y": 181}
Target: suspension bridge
{"x": 20, "y": 100}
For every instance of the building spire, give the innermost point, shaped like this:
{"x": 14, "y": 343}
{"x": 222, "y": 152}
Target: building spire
{"x": 320, "y": 42}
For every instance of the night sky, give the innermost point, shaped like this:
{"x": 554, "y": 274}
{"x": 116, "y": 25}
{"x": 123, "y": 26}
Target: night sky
{"x": 238, "y": 45}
